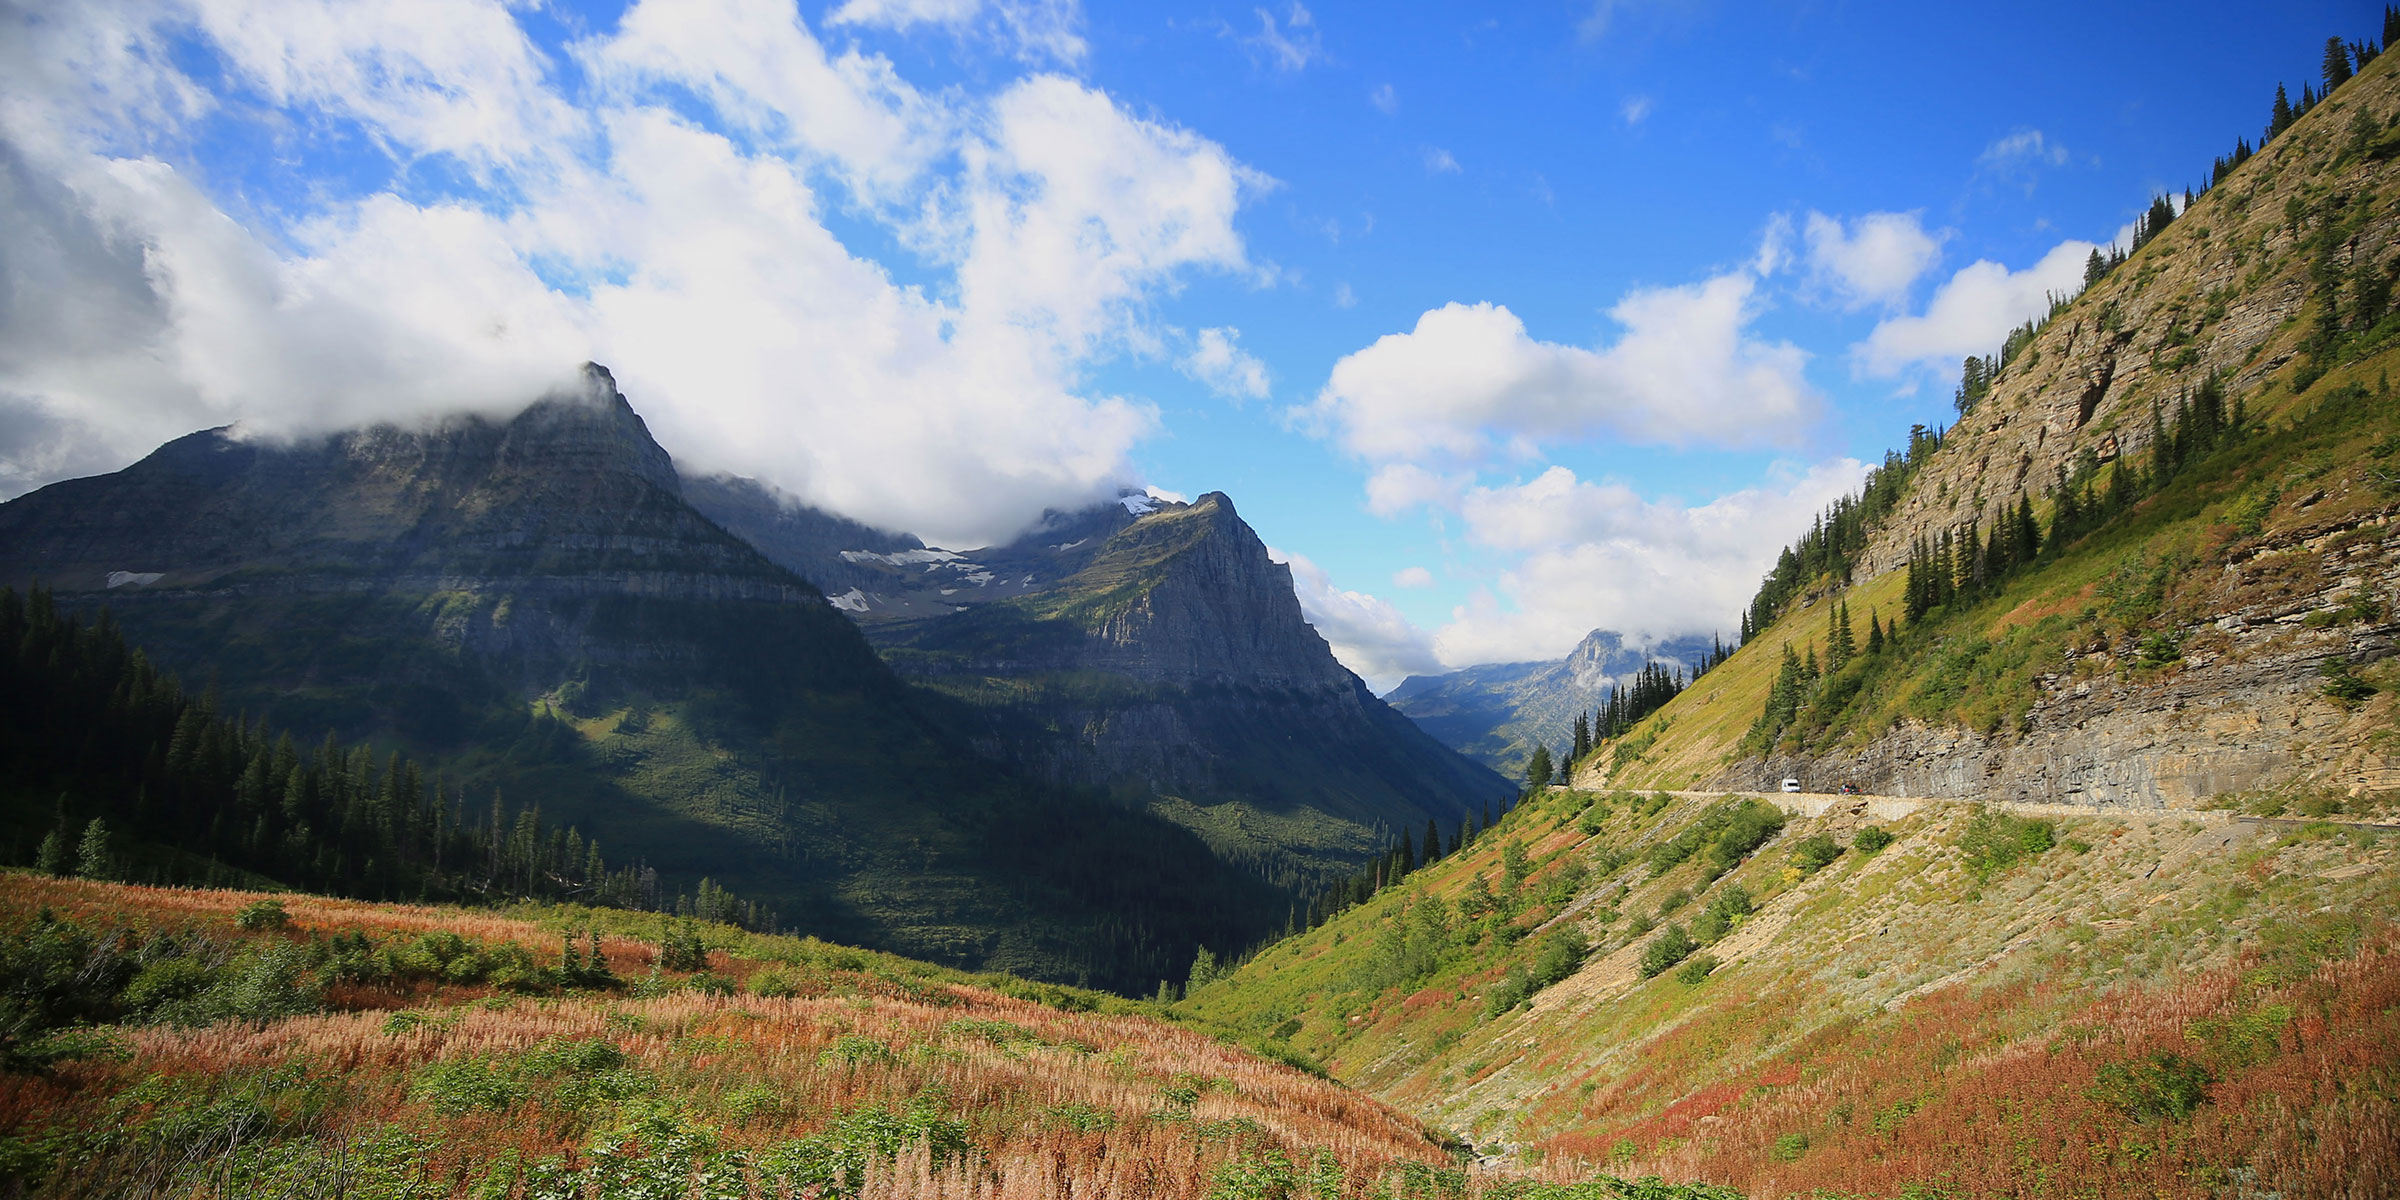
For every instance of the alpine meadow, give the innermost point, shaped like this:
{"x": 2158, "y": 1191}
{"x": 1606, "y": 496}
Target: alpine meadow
{"x": 645, "y": 599}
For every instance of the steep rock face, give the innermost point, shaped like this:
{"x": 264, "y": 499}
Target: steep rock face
{"x": 1176, "y": 668}
{"x": 1498, "y": 713}
{"x": 2243, "y": 710}
{"x": 2219, "y": 292}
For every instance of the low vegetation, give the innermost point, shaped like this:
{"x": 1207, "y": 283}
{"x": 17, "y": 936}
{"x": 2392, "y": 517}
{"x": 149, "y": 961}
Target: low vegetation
{"x": 172, "y": 1042}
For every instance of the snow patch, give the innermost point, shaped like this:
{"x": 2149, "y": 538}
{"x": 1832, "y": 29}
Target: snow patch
{"x": 118, "y": 579}
{"x": 905, "y": 558}
{"x": 1140, "y": 506}
{"x": 853, "y": 600}
{"x": 1069, "y": 545}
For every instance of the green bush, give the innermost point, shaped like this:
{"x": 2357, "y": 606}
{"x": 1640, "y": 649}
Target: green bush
{"x": 2159, "y": 1086}
{"x": 1790, "y": 1147}
{"x": 1696, "y": 969}
{"x": 680, "y": 947}
{"x": 1994, "y": 840}
{"x": 454, "y": 1087}
{"x": 261, "y": 915}
{"x": 1666, "y": 950}
{"x": 1724, "y": 912}
{"x": 1873, "y": 839}
{"x": 775, "y": 983}
{"x": 1815, "y": 853}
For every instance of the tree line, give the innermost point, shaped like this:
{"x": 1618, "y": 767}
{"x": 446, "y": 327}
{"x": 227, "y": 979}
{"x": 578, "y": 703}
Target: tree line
{"x": 143, "y": 782}
{"x": 2342, "y": 62}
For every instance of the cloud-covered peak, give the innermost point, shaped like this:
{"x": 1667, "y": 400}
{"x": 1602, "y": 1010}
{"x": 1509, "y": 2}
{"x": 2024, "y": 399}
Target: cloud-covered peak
{"x": 660, "y": 196}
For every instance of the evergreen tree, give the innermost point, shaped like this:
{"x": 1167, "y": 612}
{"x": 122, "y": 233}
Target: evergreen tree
{"x": 1433, "y": 841}
{"x": 2337, "y": 64}
{"x": 1874, "y": 633}
{"x": 2283, "y": 116}
{"x": 1583, "y": 736}
{"x": 1538, "y": 770}
{"x": 51, "y": 858}
{"x": 93, "y": 857}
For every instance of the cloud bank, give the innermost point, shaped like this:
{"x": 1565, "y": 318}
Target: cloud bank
{"x": 661, "y": 198}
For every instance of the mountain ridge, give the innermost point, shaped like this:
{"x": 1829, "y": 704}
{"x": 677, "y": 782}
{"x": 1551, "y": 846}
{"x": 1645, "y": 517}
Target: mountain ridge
{"x": 532, "y": 603}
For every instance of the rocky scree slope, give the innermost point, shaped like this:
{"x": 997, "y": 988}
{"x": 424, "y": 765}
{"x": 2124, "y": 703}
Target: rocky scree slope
{"x": 530, "y": 603}
{"x": 2179, "y": 655}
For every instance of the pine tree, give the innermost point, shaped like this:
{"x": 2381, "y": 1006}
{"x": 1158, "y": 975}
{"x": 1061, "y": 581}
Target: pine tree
{"x": 2337, "y": 64}
{"x": 2283, "y": 116}
{"x": 51, "y": 858}
{"x": 1433, "y": 841}
{"x": 1538, "y": 769}
{"x": 93, "y": 859}
{"x": 1874, "y": 633}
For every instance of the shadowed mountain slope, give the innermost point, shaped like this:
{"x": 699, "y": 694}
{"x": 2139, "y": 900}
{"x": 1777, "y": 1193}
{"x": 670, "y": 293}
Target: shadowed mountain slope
{"x": 531, "y": 603}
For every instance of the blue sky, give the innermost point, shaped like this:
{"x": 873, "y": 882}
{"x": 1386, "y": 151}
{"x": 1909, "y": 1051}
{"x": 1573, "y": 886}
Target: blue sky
{"x": 1504, "y": 326}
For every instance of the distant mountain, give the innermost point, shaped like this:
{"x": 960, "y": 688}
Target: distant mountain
{"x": 1497, "y": 713}
{"x": 532, "y": 604}
{"x": 1150, "y": 650}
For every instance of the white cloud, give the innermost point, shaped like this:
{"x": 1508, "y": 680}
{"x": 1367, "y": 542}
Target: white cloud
{"x": 1600, "y": 556}
{"x": 1293, "y": 44}
{"x": 1344, "y": 297}
{"x": 1412, "y": 577}
{"x": 1875, "y": 260}
{"x": 1033, "y": 29}
{"x": 1971, "y": 312}
{"x": 1468, "y": 383}
{"x": 698, "y": 265}
{"x": 1439, "y": 162}
{"x": 2025, "y": 147}
{"x": 1635, "y": 110}
{"x": 1384, "y": 99}
{"x": 1367, "y": 634}
{"x": 1218, "y": 361}
{"x": 1395, "y": 488}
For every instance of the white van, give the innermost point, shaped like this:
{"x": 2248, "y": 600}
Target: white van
{"x": 1791, "y": 785}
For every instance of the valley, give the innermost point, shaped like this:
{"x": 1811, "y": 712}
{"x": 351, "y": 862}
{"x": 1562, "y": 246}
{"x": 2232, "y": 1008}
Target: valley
{"x": 467, "y": 786}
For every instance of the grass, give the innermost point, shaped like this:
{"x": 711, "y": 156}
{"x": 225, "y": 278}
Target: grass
{"x": 1892, "y": 1009}
{"x": 781, "y": 1067}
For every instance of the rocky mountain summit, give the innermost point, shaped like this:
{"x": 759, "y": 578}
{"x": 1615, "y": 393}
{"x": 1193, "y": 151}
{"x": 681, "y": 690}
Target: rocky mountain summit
{"x": 1174, "y": 669}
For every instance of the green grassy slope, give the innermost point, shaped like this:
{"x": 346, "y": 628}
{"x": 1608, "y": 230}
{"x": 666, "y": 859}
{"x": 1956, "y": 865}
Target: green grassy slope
{"x": 1942, "y": 1012}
